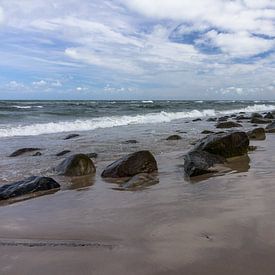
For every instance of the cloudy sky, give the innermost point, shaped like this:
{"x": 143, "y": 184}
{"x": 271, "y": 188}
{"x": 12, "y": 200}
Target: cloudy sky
{"x": 137, "y": 49}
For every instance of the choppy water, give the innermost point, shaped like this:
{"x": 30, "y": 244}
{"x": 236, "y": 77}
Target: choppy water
{"x": 24, "y": 118}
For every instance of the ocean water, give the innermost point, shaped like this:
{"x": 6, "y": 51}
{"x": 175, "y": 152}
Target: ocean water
{"x": 26, "y": 118}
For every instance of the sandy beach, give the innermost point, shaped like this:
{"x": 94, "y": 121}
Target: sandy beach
{"x": 222, "y": 224}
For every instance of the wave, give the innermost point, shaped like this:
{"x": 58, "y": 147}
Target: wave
{"x": 21, "y": 107}
{"x": 147, "y": 101}
{"x": 113, "y": 121}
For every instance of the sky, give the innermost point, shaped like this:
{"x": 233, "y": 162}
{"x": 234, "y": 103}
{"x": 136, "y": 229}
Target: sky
{"x": 137, "y": 49}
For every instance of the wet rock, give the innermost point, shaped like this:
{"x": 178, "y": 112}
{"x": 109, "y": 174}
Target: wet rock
{"x": 196, "y": 119}
{"x": 258, "y": 134}
{"x": 257, "y": 120}
{"x": 92, "y": 155}
{"x": 23, "y": 151}
{"x": 37, "y": 154}
{"x": 270, "y": 128}
{"x": 223, "y": 118}
{"x": 228, "y": 124}
{"x": 130, "y": 165}
{"x": 242, "y": 113}
{"x": 130, "y": 141}
{"x": 70, "y": 136}
{"x": 226, "y": 145}
{"x": 27, "y": 186}
{"x": 242, "y": 117}
{"x": 76, "y": 165}
{"x": 256, "y": 115}
{"x": 211, "y": 119}
{"x": 174, "y": 137}
{"x": 206, "y": 132}
{"x": 233, "y": 115}
{"x": 62, "y": 153}
{"x": 140, "y": 180}
{"x": 197, "y": 163}
{"x": 269, "y": 115}
{"x": 252, "y": 148}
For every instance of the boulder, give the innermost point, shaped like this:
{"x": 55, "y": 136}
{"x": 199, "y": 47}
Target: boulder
{"x": 242, "y": 117}
{"x": 197, "y": 163}
{"x": 23, "y": 151}
{"x": 228, "y": 124}
{"x": 130, "y": 165}
{"x": 207, "y": 132}
{"x": 226, "y": 145}
{"x": 76, "y": 165}
{"x": 70, "y": 136}
{"x": 257, "y": 120}
{"x": 258, "y": 134}
{"x": 140, "y": 180}
{"x": 270, "y": 128}
{"x": 196, "y": 119}
{"x": 254, "y": 115}
{"x": 27, "y": 186}
{"x": 269, "y": 116}
{"x": 223, "y": 118}
{"x": 37, "y": 154}
{"x": 174, "y": 137}
{"x": 211, "y": 119}
{"x": 62, "y": 153}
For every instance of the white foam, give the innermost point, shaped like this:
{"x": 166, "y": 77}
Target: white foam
{"x": 22, "y": 107}
{"x": 147, "y": 101}
{"x": 113, "y": 121}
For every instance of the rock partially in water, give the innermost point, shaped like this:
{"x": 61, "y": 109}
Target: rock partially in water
{"x": 254, "y": 115}
{"x": 70, "y": 136}
{"x": 92, "y": 155}
{"x": 130, "y": 165}
{"x": 226, "y": 145}
{"x": 197, "y": 163}
{"x": 27, "y": 186}
{"x": 269, "y": 115}
{"x": 197, "y": 119}
{"x": 270, "y": 128}
{"x": 257, "y": 120}
{"x": 211, "y": 119}
{"x": 130, "y": 141}
{"x": 242, "y": 117}
{"x": 23, "y": 151}
{"x": 140, "y": 180}
{"x": 76, "y": 165}
{"x": 228, "y": 124}
{"x": 223, "y": 118}
{"x": 37, "y": 154}
{"x": 258, "y": 134}
{"x": 174, "y": 137}
{"x": 62, "y": 153}
{"x": 207, "y": 132}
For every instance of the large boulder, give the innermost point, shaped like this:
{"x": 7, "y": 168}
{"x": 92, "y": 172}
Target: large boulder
{"x": 197, "y": 163}
{"x": 258, "y": 120}
{"x": 23, "y": 151}
{"x": 27, "y": 186}
{"x": 130, "y": 165}
{"x": 76, "y": 165}
{"x": 226, "y": 145}
{"x": 256, "y": 115}
{"x": 257, "y": 133}
{"x": 174, "y": 137}
{"x": 228, "y": 124}
{"x": 269, "y": 115}
{"x": 270, "y": 128}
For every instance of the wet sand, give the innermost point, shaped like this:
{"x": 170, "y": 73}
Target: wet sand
{"x": 219, "y": 225}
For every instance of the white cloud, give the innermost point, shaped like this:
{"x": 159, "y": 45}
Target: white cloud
{"x": 39, "y": 83}
{"x": 1, "y": 15}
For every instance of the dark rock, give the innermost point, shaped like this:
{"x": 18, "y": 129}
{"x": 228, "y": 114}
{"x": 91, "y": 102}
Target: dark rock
{"x": 71, "y": 136}
{"x": 23, "y": 151}
{"x": 242, "y": 117}
{"x": 140, "y": 180}
{"x": 270, "y": 128}
{"x": 242, "y": 113}
{"x": 269, "y": 116}
{"x": 211, "y": 119}
{"x": 130, "y": 141}
{"x": 228, "y": 124}
{"x": 226, "y": 145}
{"x": 174, "y": 137}
{"x": 252, "y": 148}
{"x": 62, "y": 153}
{"x": 27, "y": 186}
{"x": 256, "y": 115}
{"x": 196, "y": 119}
{"x": 257, "y": 120}
{"x": 197, "y": 163}
{"x": 223, "y": 118}
{"x": 130, "y": 165}
{"x": 76, "y": 165}
{"x": 37, "y": 154}
{"x": 92, "y": 155}
{"x": 258, "y": 134}
{"x": 206, "y": 132}
{"x": 233, "y": 115}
